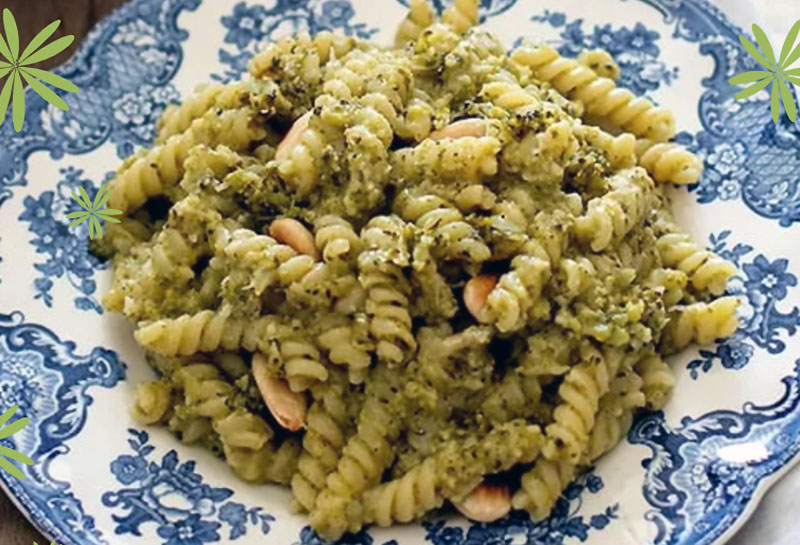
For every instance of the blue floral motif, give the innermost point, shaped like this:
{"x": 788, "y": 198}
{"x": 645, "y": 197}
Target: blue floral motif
{"x": 49, "y": 381}
{"x": 768, "y": 181}
{"x": 703, "y": 472}
{"x": 249, "y": 27}
{"x": 488, "y": 8}
{"x": 309, "y": 537}
{"x": 563, "y": 523}
{"x": 762, "y": 287}
{"x": 66, "y": 248}
{"x": 635, "y": 49}
{"x": 124, "y": 72}
{"x": 172, "y": 495}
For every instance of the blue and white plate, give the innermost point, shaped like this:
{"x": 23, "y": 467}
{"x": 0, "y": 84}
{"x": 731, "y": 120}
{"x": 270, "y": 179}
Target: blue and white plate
{"x": 687, "y": 476}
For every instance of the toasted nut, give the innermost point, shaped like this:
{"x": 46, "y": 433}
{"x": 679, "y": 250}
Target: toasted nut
{"x": 486, "y": 503}
{"x": 477, "y": 291}
{"x": 459, "y": 129}
{"x": 294, "y": 234}
{"x": 292, "y": 137}
{"x": 287, "y": 407}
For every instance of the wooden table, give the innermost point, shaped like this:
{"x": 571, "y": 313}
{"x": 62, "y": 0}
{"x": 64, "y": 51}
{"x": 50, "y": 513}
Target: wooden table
{"x": 77, "y": 17}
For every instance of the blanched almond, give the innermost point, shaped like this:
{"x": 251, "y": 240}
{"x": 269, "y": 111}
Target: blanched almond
{"x": 293, "y": 233}
{"x": 292, "y": 137}
{"x": 466, "y": 127}
{"x": 486, "y": 503}
{"x": 287, "y": 407}
{"x": 476, "y": 291}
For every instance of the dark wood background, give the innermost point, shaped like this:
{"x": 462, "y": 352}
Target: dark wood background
{"x": 77, "y": 17}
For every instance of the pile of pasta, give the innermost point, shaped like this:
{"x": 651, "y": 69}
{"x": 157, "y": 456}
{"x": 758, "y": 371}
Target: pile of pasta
{"x": 397, "y": 277}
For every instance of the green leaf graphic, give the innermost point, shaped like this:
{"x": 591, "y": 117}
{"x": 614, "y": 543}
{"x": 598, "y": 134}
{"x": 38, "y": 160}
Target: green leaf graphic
{"x": 756, "y": 54}
{"x": 5, "y": 97}
{"x": 36, "y": 51}
{"x": 45, "y": 93}
{"x": 6, "y": 452}
{"x": 763, "y": 43}
{"x": 788, "y": 43}
{"x": 16, "y": 456}
{"x": 53, "y": 79}
{"x": 11, "y": 33}
{"x": 748, "y": 77}
{"x": 86, "y": 198}
{"x": 778, "y": 73}
{"x": 51, "y": 49}
{"x": 4, "y": 50}
{"x": 793, "y": 56}
{"x": 14, "y": 427}
{"x": 93, "y": 210}
{"x": 11, "y": 468}
{"x": 788, "y": 101}
{"x": 82, "y": 216}
{"x": 18, "y": 103}
{"x": 39, "y": 39}
{"x": 747, "y": 92}
{"x": 7, "y": 415}
{"x": 775, "y": 104}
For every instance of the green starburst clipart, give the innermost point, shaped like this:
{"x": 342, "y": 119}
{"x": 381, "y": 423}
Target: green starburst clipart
{"x": 17, "y": 66}
{"x": 94, "y": 211}
{"x": 6, "y": 452}
{"x": 779, "y": 73}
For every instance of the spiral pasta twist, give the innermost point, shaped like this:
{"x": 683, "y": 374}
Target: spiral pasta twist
{"x": 541, "y": 486}
{"x": 672, "y": 282}
{"x": 575, "y": 276}
{"x": 601, "y": 62}
{"x": 461, "y": 15}
{"x": 363, "y": 460}
{"x": 178, "y": 118}
{"x": 668, "y": 162}
{"x": 297, "y": 65}
{"x": 349, "y": 345}
{"x": 153, "y": 401}
{"x": 374, "y": 73}
{"x": 465, "y": 160}
{"x": 516, "y": 297}
{"x": 207, "y": 331}
{"x": 444, "y": 232}
{"x": 327, "y": 424}
{"x": 580, "y": 394}
{"x": 381, "y": 275}
{"x": 148, "y": 175}
{"x": 508, "y": 94}
{"x": 611, "y": 217}
{"x": 419, "y": 17}
{"x": 707, "y": 271}
{"x": 620, "y": 150}
{"x": 404, "y": 499}
{"x": 657, "y": 379}
{"x": 337, "y": 241}
{"x": 302, "y": 364}
{"x": 245, "y": 439}
{"x": 702, "y": 323}
{"x": 601, "y": 96}
{"x": 362, "y": 131}
{"x": 549, "y": 150}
